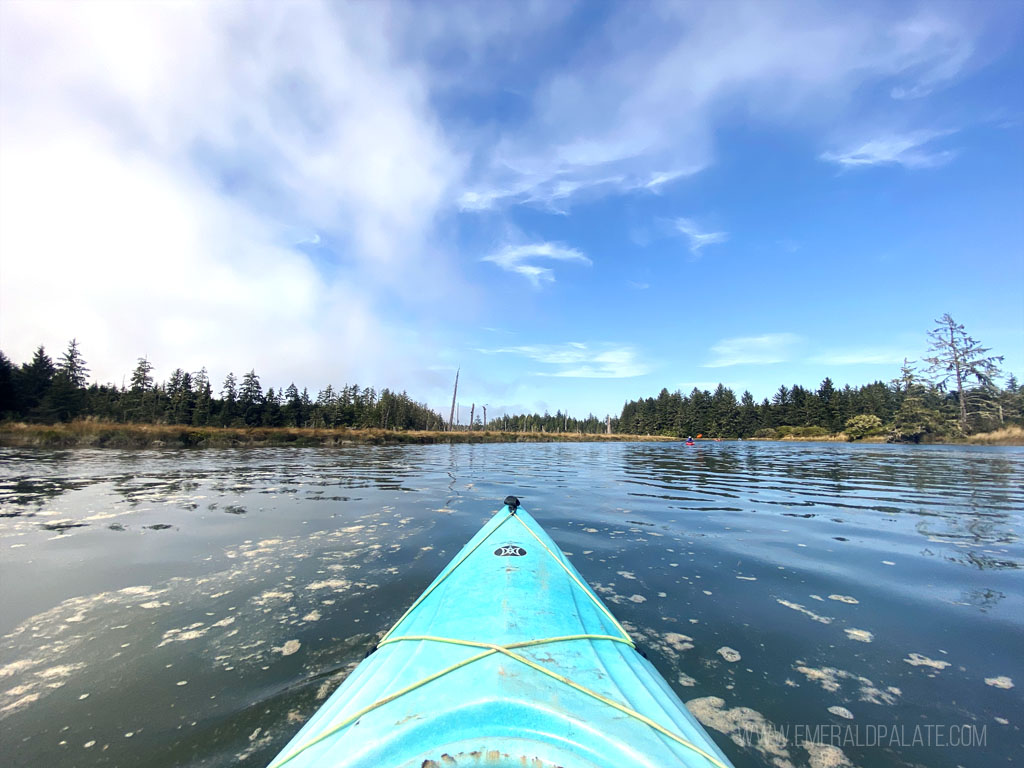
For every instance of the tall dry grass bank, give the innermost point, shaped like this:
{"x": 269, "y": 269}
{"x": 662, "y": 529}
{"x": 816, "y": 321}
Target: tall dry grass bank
{"x": 92, "y": 433}
{"x": 1005, "y": 436}
{"x": 98, "y": 434}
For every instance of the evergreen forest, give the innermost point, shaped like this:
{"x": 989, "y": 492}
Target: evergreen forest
{"x": 951, "y": 393}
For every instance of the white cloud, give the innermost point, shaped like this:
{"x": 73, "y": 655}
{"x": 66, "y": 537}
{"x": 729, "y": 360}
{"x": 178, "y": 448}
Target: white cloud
{"x": 938, "y": 49}
{"x": 556, "y": 193}
{"x": 698, "y": 239}
{"x": 753, "y": 350}
{"x": 517, "y": 258}
{"x": 637, "y": 106}
{"x": 145, "y": 263}
{"x": 580, "y": 361}
{"x": 265, "y": 197}
{"x": 894, "y": 149}
{"x": 157, "y": 161}
{"x": 657, "y": 180}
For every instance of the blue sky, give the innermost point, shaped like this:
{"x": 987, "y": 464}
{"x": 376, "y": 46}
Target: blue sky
{"x": 577, "y": 203}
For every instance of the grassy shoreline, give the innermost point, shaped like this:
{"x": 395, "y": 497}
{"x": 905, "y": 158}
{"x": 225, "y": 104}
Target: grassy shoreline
{"x": 98, "y": 434}
{"x": 1007, "y": 436}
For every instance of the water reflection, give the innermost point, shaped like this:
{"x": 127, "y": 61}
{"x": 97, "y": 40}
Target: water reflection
{"x": 207, "y": 601}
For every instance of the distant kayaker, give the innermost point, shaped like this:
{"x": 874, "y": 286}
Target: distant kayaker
{"x": 689, "y": 441}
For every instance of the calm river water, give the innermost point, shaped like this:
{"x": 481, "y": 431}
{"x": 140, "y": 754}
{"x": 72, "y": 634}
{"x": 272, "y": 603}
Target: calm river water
{"x": 815, "y": 605}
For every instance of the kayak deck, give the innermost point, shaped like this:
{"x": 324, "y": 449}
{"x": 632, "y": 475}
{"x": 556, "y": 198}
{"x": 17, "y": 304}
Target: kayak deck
{"x": 508, "y": 658}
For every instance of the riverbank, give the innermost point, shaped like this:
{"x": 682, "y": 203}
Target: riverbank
{"x": 840, "y": 437}
{"x": 1007, "y": 436}
{"x": 96, "y": 434}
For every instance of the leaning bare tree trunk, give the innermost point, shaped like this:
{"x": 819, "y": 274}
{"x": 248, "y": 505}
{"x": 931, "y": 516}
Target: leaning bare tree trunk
{"x": 960, "y": 393}
{"x": 959, "y": 374}
{"x": 451, "y": 416}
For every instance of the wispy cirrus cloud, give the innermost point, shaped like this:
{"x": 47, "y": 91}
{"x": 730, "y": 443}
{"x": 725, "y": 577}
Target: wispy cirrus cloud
{"x": 521, "y": 259}
{"x": 753, "y": 350}
{"x": 554, "y": 192}
{"x": 908, "y": 149}
{"x": 943, "y": 51}
{"x": 698, "y": 239}
{"x": 637, "y": 107}
{"x": 580, "y": 361}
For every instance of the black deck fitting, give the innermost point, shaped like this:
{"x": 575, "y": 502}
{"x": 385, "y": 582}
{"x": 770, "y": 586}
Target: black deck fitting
{"x": 512, "y": 503}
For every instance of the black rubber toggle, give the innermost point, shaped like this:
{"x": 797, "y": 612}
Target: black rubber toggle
{"x": 512, "y": 503}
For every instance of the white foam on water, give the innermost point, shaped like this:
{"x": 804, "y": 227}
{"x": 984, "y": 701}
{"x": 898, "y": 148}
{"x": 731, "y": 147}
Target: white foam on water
{"x": 999, "y": 682}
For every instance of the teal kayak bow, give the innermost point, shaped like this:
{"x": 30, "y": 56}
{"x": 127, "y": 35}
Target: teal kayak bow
{"x": 508, "y": 658}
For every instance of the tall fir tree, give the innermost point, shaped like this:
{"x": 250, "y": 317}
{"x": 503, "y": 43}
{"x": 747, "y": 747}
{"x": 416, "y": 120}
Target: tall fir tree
{"x": 291, "y": 411}
{"x": 142, "y": 376}
{"x": 66, "y": 397}
{"x": 72, "y": 366}
{"x": 35, "y": 380}
{"x": 958, "y": 358}
{"x": 8, "y": 394}
{"x": 250, "y": 399}
{"x": 229, "y": 401}
{"x": 202, "y": 412}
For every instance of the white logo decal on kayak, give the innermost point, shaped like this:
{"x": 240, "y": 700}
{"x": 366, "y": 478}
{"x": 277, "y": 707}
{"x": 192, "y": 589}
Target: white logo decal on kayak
{"x": 511, "y": 550}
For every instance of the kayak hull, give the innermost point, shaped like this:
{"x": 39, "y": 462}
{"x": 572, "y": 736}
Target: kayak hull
{"x": 508, "y": 658}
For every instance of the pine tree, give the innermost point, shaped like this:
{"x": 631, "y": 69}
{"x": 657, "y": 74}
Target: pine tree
{"x": 203, "y": 409}
{"x": 984, "y": 408}
{"x": 65, "y": 399}
{"x": 250, "y": 399}
{"x": 229, "y": 401}
{"x": 35, "y": 380}
{"x": 72, "y": 366}
{"x": 749, "y": 422}
{"x": 828, "y": 406}
{"x": 906, "y": 378}
{"x": 802, "y": 408}
{"x": 1011, "y": 401}
{"x": 181, "y": 397}
{"x": 723, "y": 413}
{"x": 140, "y": 401}
{"x": 326, "y": 408}
{"x": 307, "y": 408}
{"x": 291, "y": 412}
{"x": 142, "y": 378}
{"x": 8, "y": 394}
{"x": 958, "y": 357}
{"x": 782, "y": 406}
{"x": 915, "y": 421}
{"x": 272, "y": 409}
